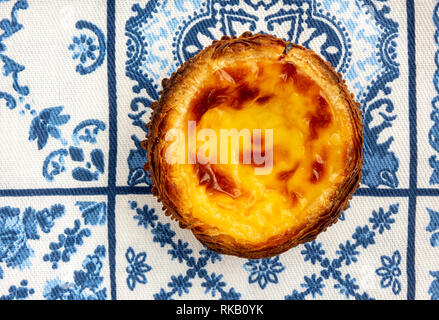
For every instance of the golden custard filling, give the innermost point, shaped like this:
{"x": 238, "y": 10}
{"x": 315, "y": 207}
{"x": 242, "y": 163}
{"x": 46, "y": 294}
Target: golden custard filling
{"x": 293, "y": 149}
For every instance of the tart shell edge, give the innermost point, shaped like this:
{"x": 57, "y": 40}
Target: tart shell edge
{"x": 223, "y": 243}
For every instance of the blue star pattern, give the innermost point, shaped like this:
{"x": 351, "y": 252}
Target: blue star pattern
{"x": 75, "y": 201}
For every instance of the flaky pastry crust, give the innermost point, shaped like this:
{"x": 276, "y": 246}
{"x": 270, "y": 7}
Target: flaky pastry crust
{"x": 173, "y": 106}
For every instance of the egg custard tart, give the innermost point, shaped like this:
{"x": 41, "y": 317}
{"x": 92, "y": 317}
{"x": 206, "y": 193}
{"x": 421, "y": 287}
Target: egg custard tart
{"x": 255, "y": 145}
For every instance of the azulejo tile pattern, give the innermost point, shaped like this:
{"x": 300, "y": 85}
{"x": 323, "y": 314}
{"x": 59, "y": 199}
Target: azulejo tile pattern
{"x": 77, "y": 220}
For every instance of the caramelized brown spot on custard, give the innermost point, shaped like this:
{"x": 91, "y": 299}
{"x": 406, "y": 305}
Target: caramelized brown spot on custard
{"x": 302, "y": 82}
{"x": 264, "y": 99}
{"x": 321, "y": 119}
{"x": 209, "y": 98}
{"x": 288, "y": 71}
{"x": 295, "y": 196}
{"x": 215, "y": 181}
{"x": 233, "y": 96}
{"x": 285, "y": 175}
{"x": 242, "y": 94}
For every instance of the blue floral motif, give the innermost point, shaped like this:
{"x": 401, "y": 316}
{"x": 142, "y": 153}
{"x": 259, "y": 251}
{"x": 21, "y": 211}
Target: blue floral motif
{"x": 54, "y": 164}
{"x": 364, "y": 236}
{"x": 313, "y": 285}
{"x": 76, "y": 154}
{"x": 347, "y": 254}
{"x": 46, "y": 125}
{"x": 380, "y": 165}
{"x": 87, "y": 132}
{"x": 382, "y": 220}
{"x": 264, "y": 271}
{"x": 10, "y": 100}
{"x": 136, "y": 164}
{"x": 139, "y": 117}
{"x": 433, "y": 227}
{"x": 67, "y": 244}
{"x": 94, "y": 213}
{"x": 163, "y": 295}
{"x": 19, "y": 293}
{"x": 390, "y": 272}
{"x": 313, "y": 251}
{"x": 180, "y": 251}
{"x": 347, "y": 286}
{"x": 146, "y": 216}
{"x": 210, "y": 256}
{"x": 10, "y": 27}
{"x": 180, "y": 284}
{"x": 85, "y": 48}
{"x": 137, "y": 157}
{"x": 48, "y": 122}
{"x": 230, "y": 295}
{"x": 87, "y": 283}
{"x": 331, "y": 268}
{"x": 213, "y": 283}
{"x": 163, "y": 234}
{"x": 83, "y": 131}
{"x": 136, "y": 269}
{"x": 45, "y": 219}
{"x": 15, "y": 232}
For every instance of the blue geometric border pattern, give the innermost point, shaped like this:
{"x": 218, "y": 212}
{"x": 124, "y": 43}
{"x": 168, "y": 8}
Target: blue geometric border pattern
{"x": 218, "y": 18}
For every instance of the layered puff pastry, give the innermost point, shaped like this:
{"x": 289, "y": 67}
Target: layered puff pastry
{"x": 289, "y": 179}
